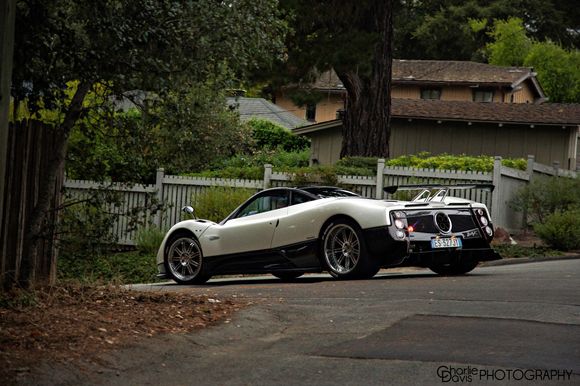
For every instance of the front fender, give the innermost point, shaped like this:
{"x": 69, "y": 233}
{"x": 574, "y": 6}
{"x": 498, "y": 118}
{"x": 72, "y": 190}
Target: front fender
{"x": 196, "y": 227}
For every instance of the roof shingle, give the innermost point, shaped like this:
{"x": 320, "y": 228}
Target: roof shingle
{"x": 547, "y": 113}
{"x": 260, "y": 108}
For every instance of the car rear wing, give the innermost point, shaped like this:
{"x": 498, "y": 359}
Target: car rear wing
{"x": 440, "y": 190}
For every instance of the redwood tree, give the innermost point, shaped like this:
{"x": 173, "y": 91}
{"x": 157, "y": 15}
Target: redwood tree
{"x": 355, "y": 38}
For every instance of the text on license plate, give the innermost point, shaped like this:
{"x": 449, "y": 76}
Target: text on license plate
{"x": 448, "y": 242}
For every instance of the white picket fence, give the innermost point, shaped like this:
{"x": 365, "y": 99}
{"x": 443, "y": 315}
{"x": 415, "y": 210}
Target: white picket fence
{"x": 178, "y": 191}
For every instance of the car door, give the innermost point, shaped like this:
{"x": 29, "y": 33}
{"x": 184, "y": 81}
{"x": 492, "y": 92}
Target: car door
{"x": 251, "y": 229}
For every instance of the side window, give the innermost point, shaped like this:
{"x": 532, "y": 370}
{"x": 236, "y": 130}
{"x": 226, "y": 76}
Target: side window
{"x": 483, "y": 96}
{"x": 299, "y": 198}
{"x": 311, "y": 112}
{"x": 431, "y": 93}
{"x": 276, "y": 200}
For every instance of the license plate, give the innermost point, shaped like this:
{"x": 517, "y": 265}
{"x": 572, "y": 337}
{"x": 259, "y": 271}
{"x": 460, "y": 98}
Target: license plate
{"x": 447, "y": 242}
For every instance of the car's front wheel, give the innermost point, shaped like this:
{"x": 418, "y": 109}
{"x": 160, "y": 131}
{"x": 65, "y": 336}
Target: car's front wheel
{"x": 184, "y": 260}
{"x": 345, "y": 253}
{"x": 453, "y": 269}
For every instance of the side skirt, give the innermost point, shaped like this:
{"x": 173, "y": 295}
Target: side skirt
{"x": 300, "y": 257}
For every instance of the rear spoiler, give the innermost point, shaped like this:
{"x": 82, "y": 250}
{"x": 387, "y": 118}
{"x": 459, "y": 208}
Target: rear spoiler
{"x": 441, "y": 190}
{"x": 395, "y": 188}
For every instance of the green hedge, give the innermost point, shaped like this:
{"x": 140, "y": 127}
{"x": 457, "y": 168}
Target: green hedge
{"x": 252, "y": 166}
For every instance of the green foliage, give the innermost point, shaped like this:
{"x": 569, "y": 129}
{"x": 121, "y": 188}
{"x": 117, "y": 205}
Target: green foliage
{"x": 148, "y": 239}
{"x": 125, "y": 268}
{"x": 456, "y": 30}
{"x": 268, "y": 135}
{"x": 217, "y": 203}
{"x": 143, "y": 45}
{"x": 561, "y": 229}
{"x": 323, "y": 175}
{"x": 515, "y": 251}
{"x": 85, "y": 226}
{"x": 558, "y": 71}
{"x": 510, "y": 44}
{"x": 557, "y": 67}
{"x": 196, "y": 128}
{"x": 251, "y": 166}
{"x": 116, "y": 146}
{"x": 547, "y": 195}
{"x": 454, "y": 162}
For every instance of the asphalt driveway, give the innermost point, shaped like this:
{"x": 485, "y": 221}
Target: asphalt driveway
{"x": 514, "y": 324}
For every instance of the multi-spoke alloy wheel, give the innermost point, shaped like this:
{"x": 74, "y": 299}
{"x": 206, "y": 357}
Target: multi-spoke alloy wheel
{"x": 184, "y": 260}
{"x": 342, "y": 248}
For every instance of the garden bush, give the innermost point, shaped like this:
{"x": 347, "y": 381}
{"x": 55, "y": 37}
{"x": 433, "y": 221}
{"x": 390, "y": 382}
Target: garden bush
{"x": 217, "y": 203}
{"x": 148, "y": 239}
{"x": 271, "y": 136}
{"x": 547, "y": 195}
{"x": 561, "y": 229}
{"x": 120, "y": 267}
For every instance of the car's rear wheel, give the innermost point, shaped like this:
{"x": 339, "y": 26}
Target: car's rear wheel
{"x": 345, "y": 253}
{"x": 184, "y": 260}
{"x": 453, "y": 269}
{"x": 287, "y": 276}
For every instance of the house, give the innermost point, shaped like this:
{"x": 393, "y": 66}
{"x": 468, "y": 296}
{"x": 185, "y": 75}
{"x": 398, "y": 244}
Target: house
{"x": 426, "y": 79}
{"x": 260, "y": 108}
{"x": 547, "y": 131}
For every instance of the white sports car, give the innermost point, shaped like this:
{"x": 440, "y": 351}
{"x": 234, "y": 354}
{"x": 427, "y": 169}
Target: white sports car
{"x": 290, "y": 231}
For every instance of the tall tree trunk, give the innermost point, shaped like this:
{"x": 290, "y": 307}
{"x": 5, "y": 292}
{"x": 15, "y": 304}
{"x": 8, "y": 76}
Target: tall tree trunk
{"x": 7, "y": 17}
{"x": 367, "y": 123}
{"x": 32, "y": 268}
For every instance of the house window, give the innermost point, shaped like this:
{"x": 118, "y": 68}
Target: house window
{"x": 482, "y": 95}
{"x": 311, "y": 112}
{"x": 431, "y": 93}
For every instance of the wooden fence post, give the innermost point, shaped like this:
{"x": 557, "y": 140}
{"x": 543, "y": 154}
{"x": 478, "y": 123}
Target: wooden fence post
{"x": 556, "y": 165}
{"x": 530, "y": 167}
{"x": 496, "y": 195}
{"x": 380, "y": 178}
{"x": 159, "y": 196}
{"x": 267, "y": 175}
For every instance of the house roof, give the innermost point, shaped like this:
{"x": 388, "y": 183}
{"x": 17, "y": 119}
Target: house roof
{"x": 515, "y": 113}
{"x": 260, "y": 108}
{"x": 445, "y": 72}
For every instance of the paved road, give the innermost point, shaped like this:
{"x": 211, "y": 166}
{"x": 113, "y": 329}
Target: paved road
{"x": 512, "y": 324}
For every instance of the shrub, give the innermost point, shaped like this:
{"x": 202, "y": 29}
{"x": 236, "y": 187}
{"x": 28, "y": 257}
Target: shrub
{"x": 269, "y": 135}
{"x": 125, "y": 268}
{"x": 315, "y": 176}
{"x": 148, "y": 239}
{"x": 217, "y": 203}
{"x": 547, "y": 195}
{"x": 561, "y": 230}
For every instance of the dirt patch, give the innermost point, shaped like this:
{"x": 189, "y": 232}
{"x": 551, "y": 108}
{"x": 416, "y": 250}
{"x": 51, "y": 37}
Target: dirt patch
{"x": 66, "y": 323}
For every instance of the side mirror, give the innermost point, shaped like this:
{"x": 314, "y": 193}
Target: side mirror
{"x": 188, "y": 210}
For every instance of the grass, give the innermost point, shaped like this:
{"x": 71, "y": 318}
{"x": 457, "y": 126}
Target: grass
{"x": 517, "y": 251}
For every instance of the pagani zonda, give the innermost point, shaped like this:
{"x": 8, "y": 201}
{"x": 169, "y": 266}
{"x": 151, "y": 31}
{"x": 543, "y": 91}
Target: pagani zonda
{"x": 290, "y": 231}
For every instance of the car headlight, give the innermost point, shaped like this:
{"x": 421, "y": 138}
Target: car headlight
{"x": 400, "y": 234}
{"x": 484, "y": 221}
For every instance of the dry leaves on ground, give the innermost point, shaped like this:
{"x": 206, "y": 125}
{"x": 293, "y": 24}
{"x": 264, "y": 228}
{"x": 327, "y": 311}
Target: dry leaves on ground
{"x": 68, "y": 322}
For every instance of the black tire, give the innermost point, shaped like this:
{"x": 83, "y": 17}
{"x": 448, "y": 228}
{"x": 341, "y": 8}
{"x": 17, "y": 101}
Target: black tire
{"x": 344, "y": 252}
{"x": 184, "y": 259}
{"x": 454, "y": 269}
{"x": 287, "y": 276}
